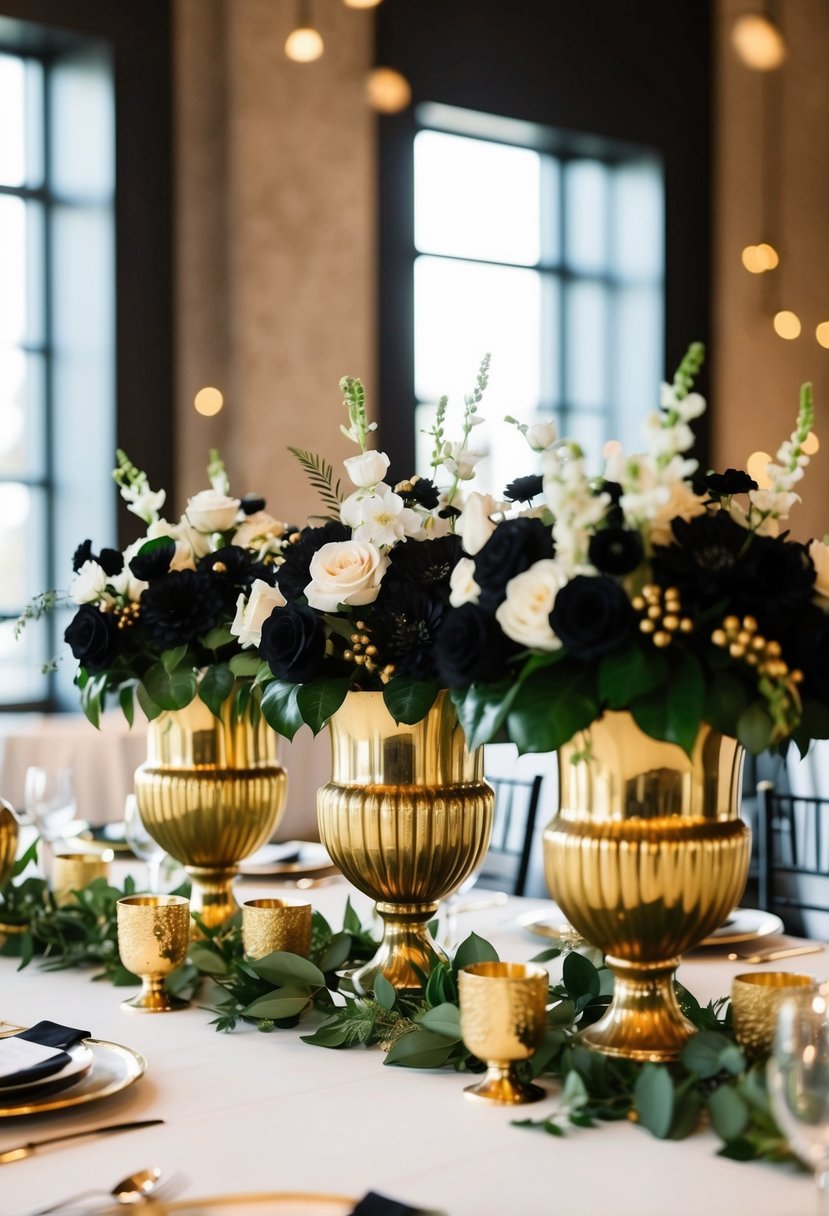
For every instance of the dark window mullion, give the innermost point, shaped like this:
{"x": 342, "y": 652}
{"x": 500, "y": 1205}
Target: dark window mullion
{"x": 48, "y": 375}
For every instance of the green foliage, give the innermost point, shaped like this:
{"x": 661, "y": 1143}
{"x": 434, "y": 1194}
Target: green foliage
{"x": 409, "y": 700}
{"x": 321, "y": 475}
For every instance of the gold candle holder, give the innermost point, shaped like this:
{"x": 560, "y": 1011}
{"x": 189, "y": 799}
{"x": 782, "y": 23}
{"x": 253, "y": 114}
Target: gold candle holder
{"x": 74, "y": 871}
{"x": 153, "y": 936}
{"x": 503, "y": 1017}
{"x": 276, "y": 924}
{"x": 756, "y": 998}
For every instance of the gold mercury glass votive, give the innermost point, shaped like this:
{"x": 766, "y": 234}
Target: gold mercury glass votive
{"x": 276, "y": 924}
{"x": 153, "y": 937}
{"x": 503, "y": 1016}
{"x": 74, "y": 871}
{"x": 756, "y": 998}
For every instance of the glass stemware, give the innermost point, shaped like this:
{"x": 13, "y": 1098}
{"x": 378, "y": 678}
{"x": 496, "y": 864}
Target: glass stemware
{"x": 798, "y": 1076}
{"x": 49, "y": 798}
{"x": 142, "y": 843}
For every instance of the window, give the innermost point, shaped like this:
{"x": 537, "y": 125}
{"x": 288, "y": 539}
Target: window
{"x": 548, "y": 252}
{"x": 57, "y": 335}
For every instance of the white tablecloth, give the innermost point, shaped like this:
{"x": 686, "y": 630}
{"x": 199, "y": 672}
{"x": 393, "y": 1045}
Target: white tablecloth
{"x": 250, "y": 1112}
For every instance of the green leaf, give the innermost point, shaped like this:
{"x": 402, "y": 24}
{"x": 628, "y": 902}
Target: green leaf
{"x": 474, "y": 949}
{"x": 148, "y": 705}
{"x": 673, "y": 712}
{"x": 482, "y": 709}
{"x": 275, "y": 1007}
{"x": 320, "y": 699}
{"x": 421, "y": 1049}
{"x": 552, "y": 705}
{"x": 755, "y": 728}
{"x": 170, "y": 690}
{"x": 208, "y": 961}
{"x": 729, "y": 1113}
{"x": 334, "y": 1034}
{"x": 580, "y": 977}
{"x": 384, "y": 992}
{"x": 217, "y": 638}
{"x": 245, "y": 664}
{"x": 815, "y": 719}
{"x": 215, "y": 687}
{"x": 284, "y": 968}
{"x": 126, "y": 698}
{"x": 443, "y": 1019}
{"x": 336, "y": 952}
{"x": 686, "y": 1113}
{"x": 408, "y": 700}
{"x": 280, "y": 708}
{"x": 653, "y": 1097}
{"x": 725, "y": 700}
{"x": 702, "y": 1053}
{"x": 638, "y": 667}
{"x": 172, "y": 658}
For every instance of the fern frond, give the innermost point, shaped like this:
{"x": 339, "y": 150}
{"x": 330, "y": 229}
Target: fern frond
{"x": 321, "y": 475}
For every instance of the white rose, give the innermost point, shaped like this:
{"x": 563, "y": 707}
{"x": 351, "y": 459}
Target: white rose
{"x": 460, "y": 461}
{"x": 125, "y": 583}
{"x": 462, "y": 586}
{"x": 209, "y": 511}
{"x": 257, "y": 528}
{"x": 198, "y": 541}
{"x": 184, "y": 557}
{"x": 345, "y": 572}
{"x": 250, "y": 617}
{"x": 819, "y": 553}
{"x": 475, "y": 526}
{"x": 368, "y": 468}
{"x": 540, "y": 436}
{"x": 89, "y": 584}
{"x": 524, "y": 615}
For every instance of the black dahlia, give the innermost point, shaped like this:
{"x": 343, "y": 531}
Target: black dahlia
{"x": 420, "y": 491}
{"x": 293, "y": 643}
{"x": 111, "y": 561}
{"x": 513, "y": 547}
{"x": 405, "y": 622}
{"x": 615, "y": 550}
{"x": 93, "y": 637}
{"x": 180, "y": 608}
{"x": 592, "y": 616}
{"x": 293, "y": 575}
{"x": 704, "y": 559}
{"x": 234, "y": 569}
{"x": 732, "y": 481}
{"x": 426, "y": 562}
{"x": 153, "y": 559}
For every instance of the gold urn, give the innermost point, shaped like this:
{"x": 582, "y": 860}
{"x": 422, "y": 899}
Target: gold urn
{"x": 9, "y": 833}
{"x": 646, "y": 857}
{"x": 406, "y": 816}
{"x": 211, "y": 792}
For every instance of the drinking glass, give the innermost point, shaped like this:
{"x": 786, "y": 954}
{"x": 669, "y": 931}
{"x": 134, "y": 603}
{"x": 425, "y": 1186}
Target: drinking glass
{"x": 798, "y": 1077}
{"x": 50, "y": 803}
{"x": 142, "y": 843}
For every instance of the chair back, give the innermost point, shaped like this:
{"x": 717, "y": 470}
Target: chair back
{"x": 793, "y": 856}
{"x": 506, "y": 864}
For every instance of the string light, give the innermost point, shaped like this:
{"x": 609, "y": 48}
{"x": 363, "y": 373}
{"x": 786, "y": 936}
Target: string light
{"x": 787, "y": 324}
{"x": 361, "y": 3}
{"x": 208, "y": 401}
{"x": 756, "y": 467}
{"x": 822, "y": 334}
{"x": 304, "y": 44}
{"x": 811, "y": 444}
{"x": 758, "y": 42}
{"x": 388, "y": 91}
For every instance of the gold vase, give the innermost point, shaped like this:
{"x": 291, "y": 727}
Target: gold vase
{"x": 211, "y": 792}
{"x": 9, "y": 833}
{"x": 407, "y": 816}
{"x": 646, "y": 857}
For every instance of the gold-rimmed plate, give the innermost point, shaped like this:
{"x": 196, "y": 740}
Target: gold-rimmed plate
{"x": 745, "y": 925}
{"x": 309, "y": 859}
{"x": 291, "y": 1203}
{"x": 114, "y": 1067}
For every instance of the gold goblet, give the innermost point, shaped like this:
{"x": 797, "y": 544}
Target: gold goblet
{"x": 756, "y": 998}
{"x": 503, "y": 1015}
{"x": 153, "y": 936}
{"x": 276, "y": 924}
{"x": 74, "y": 871}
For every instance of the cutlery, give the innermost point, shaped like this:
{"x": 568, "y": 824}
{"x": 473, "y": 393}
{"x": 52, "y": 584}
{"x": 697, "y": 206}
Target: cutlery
{"x": 135, "y": 1188}
{"x": 26, "y": 1150}
{"x": 768, "y": 956}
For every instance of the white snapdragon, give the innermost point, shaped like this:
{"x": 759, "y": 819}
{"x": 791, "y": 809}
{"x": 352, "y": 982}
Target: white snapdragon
{"x": 345, "y": 572}
{"x": 209, "y": 511}
{"x": 462, "y": 586}
{"x": 251, "y": 615}
{"x": 686, "y": 408}
{"x": 367, "y": 469}
{"x": 379, "y": 517}
{"x": 576, "y": 509}
{"x": 524, "y": 615}
{"x": 475, "y": 525}
{"x": 89, "y": 584}
{"x": 459, "y": 460}
{"x": 126, "y": 584}
{"x": 145, "y": 503}
{"x": 819, "y": 553}
{"x": 652, "y": 496}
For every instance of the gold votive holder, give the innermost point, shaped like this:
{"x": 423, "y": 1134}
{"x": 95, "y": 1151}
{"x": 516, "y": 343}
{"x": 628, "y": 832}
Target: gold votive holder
{"x": 74, "y": 871}
{"x": 276, "y": 924}
{"x": 153, "y": 937}
{"x": 503, "y": 1018}
{"x": 756, "y": 998}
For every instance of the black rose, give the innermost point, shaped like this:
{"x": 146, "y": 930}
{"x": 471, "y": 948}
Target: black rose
{"x": 111, "y": 561}
{"x": 180, "y": 608}
{"x": 93, "y": 637}
{"x": 732, "y": 481}
{"x": 293, "y": 575}
{"x": 513, "y": 547}
{"x": 420, "y": 491}
{"x": 615, "y": 550}
{"x": 470, "y": 647}
{"x": 293, "y": 643}
{"x": 592, "y": 616}
{"x": 252, "y": 503}
{"x": 524, "y": 489}
{"x": 153, "y": 559}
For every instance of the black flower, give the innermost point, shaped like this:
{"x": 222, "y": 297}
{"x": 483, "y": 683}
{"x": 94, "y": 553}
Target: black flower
{"x": 153, "y": 559}
{"x": 615, "y": 550}
{"x": 93, "y": 638}
{"x": 524, "y": 489}
{"x": 592, "y": 616}
{"x": 180, "y": 608}
{"x": 234, "y": 569}
{"x": 293, "y": 643}
{"x": 405, "y": 622}
{"x": 111, "y": 561}
{"x": 470, "y": 647}
{"x": 252, "y": 503}
{"x": 732, "y": 481}
{"x": 426, "y": 562}
{"x": 293, "y": 574}
{"x": 513, "y": 547}
{"x": 703, "y": 559}
{"x": 419, "y": 491}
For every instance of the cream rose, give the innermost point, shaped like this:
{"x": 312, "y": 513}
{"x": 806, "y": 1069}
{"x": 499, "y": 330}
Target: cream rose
{"x": 89, "y": 584}
{"x": 524, "y": 615}
{"x": 367, "y": 469}
{"x": 540, "y": 435}
{"x": 257, "y": 528}
{"x": 209, "y": 511}
{"x": 475, "y": 525}
{"x": 462, "y": 586}
{"x": 819, "y": 553}
{"x": 250, "y": 617}
{"x": 345, "y": 572}
{"x": 184, "y": 557}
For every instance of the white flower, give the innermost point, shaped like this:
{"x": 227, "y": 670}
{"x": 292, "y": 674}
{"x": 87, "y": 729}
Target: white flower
{"x": 462, "y": 586}
{"x": 209, "y": 511}
{"x": 460, "y": 461}
{"x": 89, "y": 584}
{"x": 540, "y": 435}
{"x": 184, "y": 557}
{"x": 368, "y": 468}
{"x": 250, "y": 617}
{"x": 475, "y": 525}
{"x": 345, "y": 572}
{"x": 125, "y": 583}
{"x": 381, "y": 518}
{"x": 819, "y": 553}
{"x": 255, "y": 529}
{"x": 524, "y": 615}
{"x": 680, "y": 502}
{"x": 776, "y": 503}
{"x": 145, "y": 503}
{"x": 665, "y": 440}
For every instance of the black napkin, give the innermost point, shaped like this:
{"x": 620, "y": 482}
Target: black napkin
{"x": 380, "y": 1205}
{"x": 47, "y": 1034}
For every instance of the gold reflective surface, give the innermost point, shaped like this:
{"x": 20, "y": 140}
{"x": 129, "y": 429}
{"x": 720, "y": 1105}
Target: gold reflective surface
{"x": 503, "y": 1018}
{"x": 211, "y": 792}
{"x": 406, "y": 817}
{"x": 646, "y": 857}
{"x": 756, "y": 998}
{"x": 74, "y": 871}
{"x": 276, "y": 924}
{"x": 153, "y": 937}
{"x": 9, "y": 833}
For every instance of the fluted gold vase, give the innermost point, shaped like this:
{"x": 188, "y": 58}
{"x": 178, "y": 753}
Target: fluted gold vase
{"x": 211, "y": 792}
{"x": 646, "y": 857}
{"x": 406, "y": 816}
{"x": 9, "y": 833}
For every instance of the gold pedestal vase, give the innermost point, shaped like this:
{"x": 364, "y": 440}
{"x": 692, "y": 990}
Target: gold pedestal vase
{"x": 9, "y": 834}
{"x": 211, "y": 792}
{"x": 646, "y": 857}
{"x": 407, "y": 816}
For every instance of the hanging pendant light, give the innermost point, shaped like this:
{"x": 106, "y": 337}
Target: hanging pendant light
{"x": 304, "y": 44}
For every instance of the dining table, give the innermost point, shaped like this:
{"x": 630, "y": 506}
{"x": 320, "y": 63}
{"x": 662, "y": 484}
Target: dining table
{"x": 249, "y": 1112}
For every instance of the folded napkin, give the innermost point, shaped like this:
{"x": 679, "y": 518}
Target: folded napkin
{"x": 37, "y": 1052}
{"x": 380, "y": 1205}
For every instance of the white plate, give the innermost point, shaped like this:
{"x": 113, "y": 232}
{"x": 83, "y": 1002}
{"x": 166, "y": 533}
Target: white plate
{"x": 80, "y": 1061}
{"x": 289, "y": 1203}
{"x": 744, "y": 925}
{"x": 293, "y": 859}
{"x": 114, "y": 1068}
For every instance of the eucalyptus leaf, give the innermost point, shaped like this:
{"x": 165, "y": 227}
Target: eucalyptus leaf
{"x": 443, "y": 1019}
{"x": 384, "y": 992}
{"x": 420, "y": 1049}
{"x": 217, "y": 638}
{"x": 474, "y": 949}
{"x": 653, "y": 1096}
{"x": 580, "y": 977}
{"x": 336, "y": 952}
{"x": 702, "y": 1053}
{"x": 274, "y": 1007}
{"x": 729, "y": 1113}
{"x": 280, "y": 967}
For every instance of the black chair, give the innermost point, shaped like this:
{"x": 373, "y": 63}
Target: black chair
{"x": 506, "y": 864}
{"x": 793, "y": 856}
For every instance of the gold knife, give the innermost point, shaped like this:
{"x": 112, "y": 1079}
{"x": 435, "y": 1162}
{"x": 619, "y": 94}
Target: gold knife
{"x": 26, "y": 1150}
{"x": 768, "y": 956}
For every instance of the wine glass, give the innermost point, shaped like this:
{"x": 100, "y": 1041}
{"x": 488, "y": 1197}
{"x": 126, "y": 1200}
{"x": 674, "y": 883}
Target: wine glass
{"x": 798, "y": 1077}
{"x": 142, "y": 843}
{"x": 50, "y": 802}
